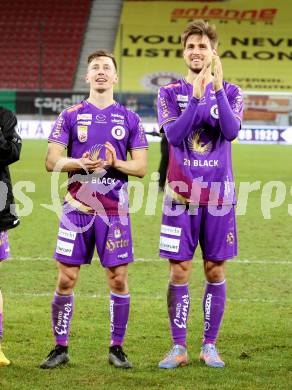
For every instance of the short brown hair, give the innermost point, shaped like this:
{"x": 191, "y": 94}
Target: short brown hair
{"x": 102, "y": 53}
{"x": 202, "y": 28}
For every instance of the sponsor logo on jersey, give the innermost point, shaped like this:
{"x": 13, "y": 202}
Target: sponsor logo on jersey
{"x": 82, "y": 133}
{"x": 112, "y": 245}
{"x": 214, "y": 111}
{"x": 67, "y": 234}
{"x": 62, "y": 326}
{"x": 182, "y": 98}
{"x": 103, "y": 180}
{"x": 114, "y": 115}
{"x": 111, "y": 310}
{"x": 84, "y": 123}
{"x": 58, "y": 129}
{"x": 123, "y": 255}
{"x": 118, "y": 121}
{"x": 100, "y": 118}
{"x": 169, "y": 244}
{"x": 237, "y": 103}
{"x": 64, "y": 248}
{"x": 164, "y": 107}
{"x": 181, "y": 312}
{"x": 208, "y": 304}
{"x": 84, "y": 117}
{"x": 142, "y": 135}
{"x": 171, "y": 230}
{"x": 118, "y": 132}
{"x": 206, "y": 163}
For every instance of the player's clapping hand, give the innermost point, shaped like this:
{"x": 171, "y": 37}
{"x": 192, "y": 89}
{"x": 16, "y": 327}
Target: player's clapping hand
{"x": 218, "y": 73}
{"x": 91, "y": 165}
{"x": 111, "y": 155}
{"x": 199, "y": 84}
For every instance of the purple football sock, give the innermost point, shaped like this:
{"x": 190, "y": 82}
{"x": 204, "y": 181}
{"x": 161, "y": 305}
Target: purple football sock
{"x": 1, "y": 326}
{"x": 213, "y": 307}
{"x": 62, "y": 311}
{"x": 119, "y": 314}
{"x": 178, "y": 302}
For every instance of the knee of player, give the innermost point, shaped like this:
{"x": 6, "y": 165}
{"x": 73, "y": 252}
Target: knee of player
{"x": 118, "y": 283}
{"x": 66, "y": 281}
{"x": 179, "y": 272}
{"x": 179, "y": 276}
{"x": 214, "y": 272}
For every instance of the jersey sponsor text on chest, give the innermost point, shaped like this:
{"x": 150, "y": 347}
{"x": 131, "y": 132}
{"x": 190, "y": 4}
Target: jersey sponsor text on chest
{"x": 201, "y": 163}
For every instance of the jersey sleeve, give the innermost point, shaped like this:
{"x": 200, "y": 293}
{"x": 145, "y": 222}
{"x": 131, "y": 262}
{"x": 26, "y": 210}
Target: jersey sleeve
{"x": 236, "y": 102}
{"x": 167, "y": 108}
{"x": 137, "y": 138}
{"x": 60, "y": 132}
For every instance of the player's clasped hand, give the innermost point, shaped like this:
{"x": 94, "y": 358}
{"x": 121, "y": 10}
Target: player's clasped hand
{"x": 91, "y": 165}
{"x": 199, "y": 84}
{"x": 218, "y": 73}
{"x": 111, "y": 155}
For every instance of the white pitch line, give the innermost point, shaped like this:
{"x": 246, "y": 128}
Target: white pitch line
{"x": 149, "y": 260}
{"x": 146, "y": 297}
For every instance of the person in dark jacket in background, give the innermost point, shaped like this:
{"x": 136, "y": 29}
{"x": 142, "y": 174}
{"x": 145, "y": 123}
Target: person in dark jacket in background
{"x": 163, "y": 162}
{"x": 10, "y": 147}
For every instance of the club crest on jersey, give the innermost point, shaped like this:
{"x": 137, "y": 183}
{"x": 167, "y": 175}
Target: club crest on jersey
{"x": 117, "y": 233}
{"x": 230, "y": 238}
{"x": 214, "y": 111}
{"x": 82, "y": 133}
{"x": 118, "y": 132}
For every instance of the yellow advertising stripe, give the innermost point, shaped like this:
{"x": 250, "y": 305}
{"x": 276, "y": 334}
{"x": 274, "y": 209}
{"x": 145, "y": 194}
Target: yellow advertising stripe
{"x": 255, "y": 42}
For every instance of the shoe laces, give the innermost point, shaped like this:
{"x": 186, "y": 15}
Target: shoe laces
{"x": 211, "y": 351}
{"x": 175, "y": 350}
{"x": 55, "y": 352}
{"x": 117, "y": 350}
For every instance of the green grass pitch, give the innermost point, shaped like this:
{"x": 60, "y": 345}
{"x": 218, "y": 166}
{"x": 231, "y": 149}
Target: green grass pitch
{"x": 255, "y": 339}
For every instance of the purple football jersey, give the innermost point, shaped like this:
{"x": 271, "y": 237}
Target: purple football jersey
{"x": 202, "y": 162}
{"x": 85, "y": 128}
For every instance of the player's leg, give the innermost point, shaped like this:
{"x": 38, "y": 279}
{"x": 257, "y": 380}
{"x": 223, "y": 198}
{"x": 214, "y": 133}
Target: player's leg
{"x": 213, "y": 309}
{"x": 178, "y": 303}
{"x": 115, "y": 250}
{"x": 73, "y": 249}
{"x": 3, "y": 360}
{"x": 178, "y": 241}
{"x": 218, "y": 244}
{"x": 62, "y": 311}
{"x": 4, "y": 254}
{"x": 119, "y": 314}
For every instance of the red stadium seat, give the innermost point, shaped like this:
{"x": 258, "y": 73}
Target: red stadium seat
{"x": 53, "y": 28}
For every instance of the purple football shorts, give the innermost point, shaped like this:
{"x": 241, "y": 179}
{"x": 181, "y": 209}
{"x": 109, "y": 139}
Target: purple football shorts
{"x": 4, "y": 246}
{"x": 214, "y": 227}
{"x": 80, "y": 233}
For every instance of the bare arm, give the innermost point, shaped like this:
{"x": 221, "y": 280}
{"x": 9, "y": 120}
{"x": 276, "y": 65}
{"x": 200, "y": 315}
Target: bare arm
{"x": 55, "y": 160}
{"x": 137, "y": 166}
